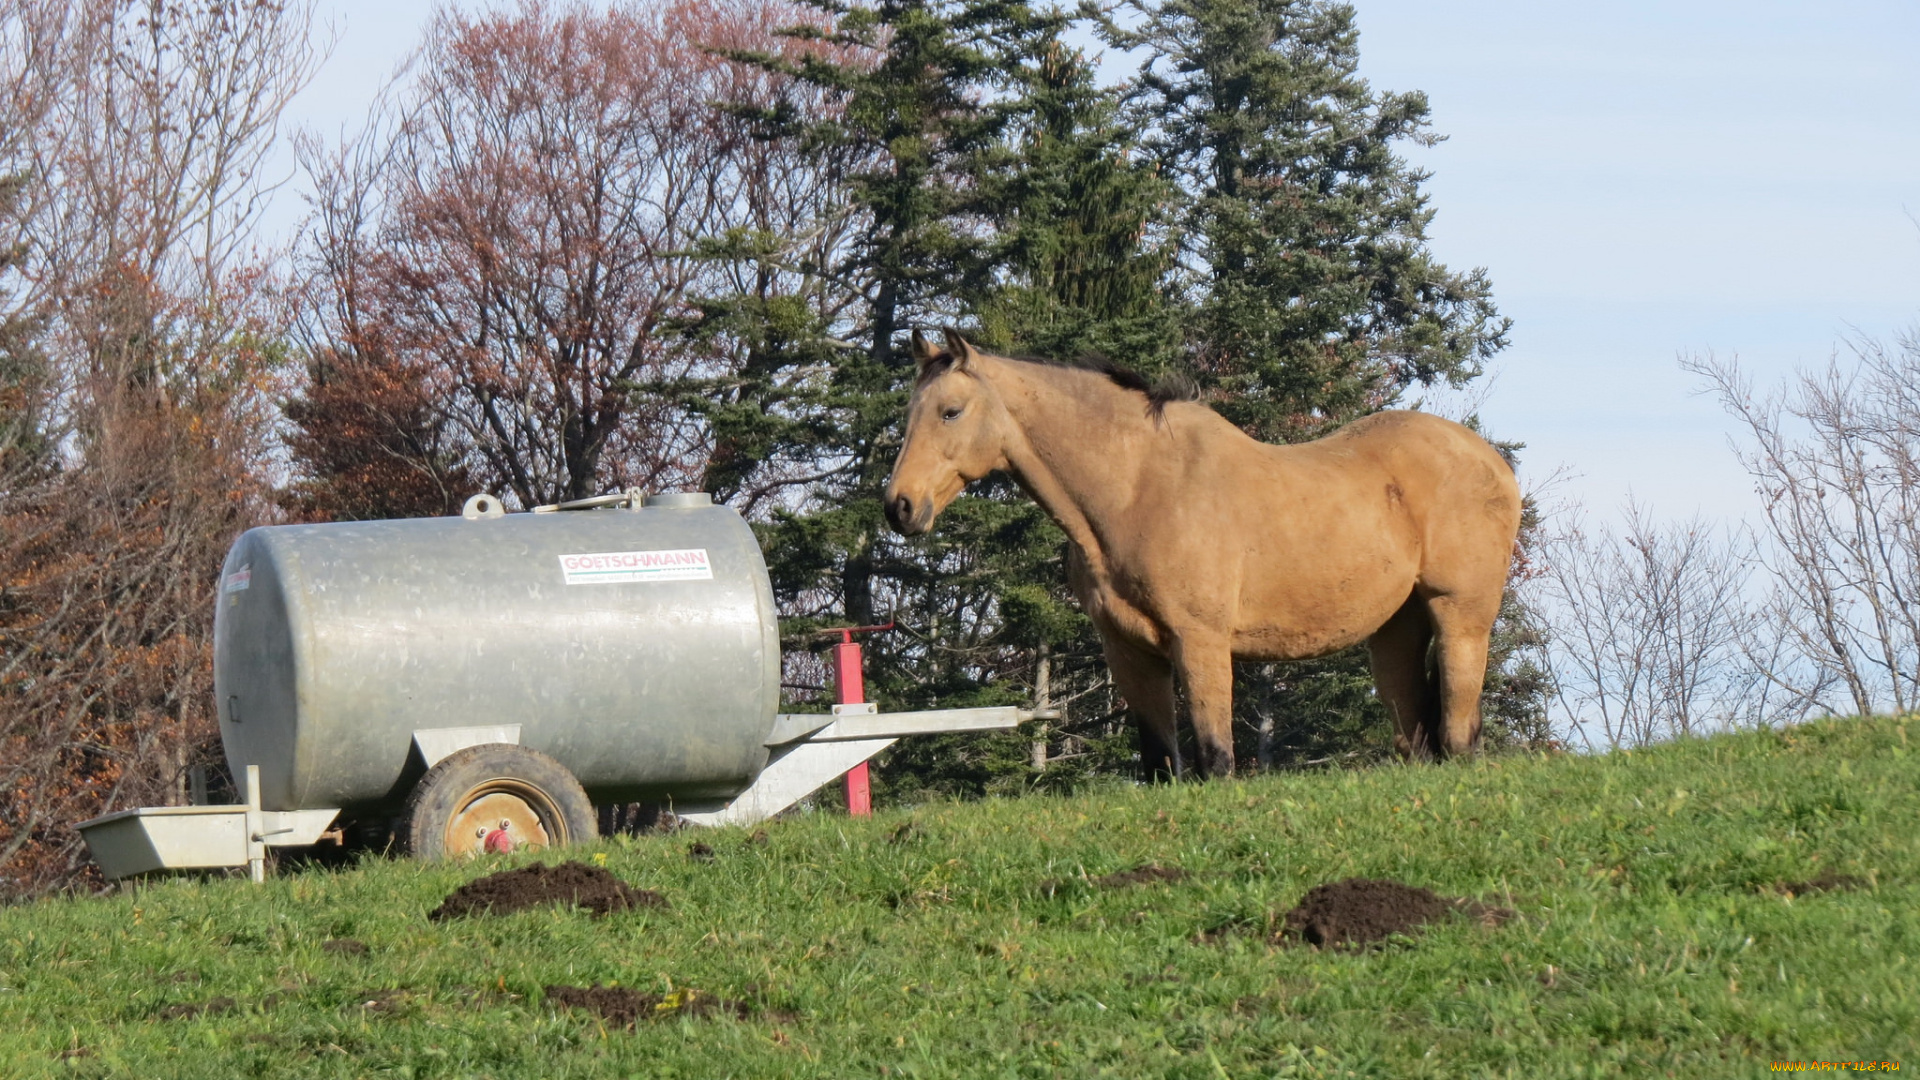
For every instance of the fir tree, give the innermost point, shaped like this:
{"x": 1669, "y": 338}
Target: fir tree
{"x": 905, "y": 80}
{"x": 1078, "y": 215}
{"x": 988, "y": 179}
{"x": 1247, "y": 222}
{"x": 1074, "y": 213}
{"x": 1303, "y": 236}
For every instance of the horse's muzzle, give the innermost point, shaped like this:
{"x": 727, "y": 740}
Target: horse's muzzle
{"x": 905, "y": 518}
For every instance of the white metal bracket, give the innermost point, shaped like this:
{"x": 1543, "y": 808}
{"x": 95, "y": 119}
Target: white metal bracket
{"x": 437, "y": 743}
{"x": 813, "y": 749}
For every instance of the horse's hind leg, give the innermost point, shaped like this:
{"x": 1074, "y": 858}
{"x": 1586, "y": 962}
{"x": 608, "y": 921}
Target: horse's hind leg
{"x": 1146, "y": 681}
{"x": 1462, "y": 625}
{"x": 1398, "y": 655}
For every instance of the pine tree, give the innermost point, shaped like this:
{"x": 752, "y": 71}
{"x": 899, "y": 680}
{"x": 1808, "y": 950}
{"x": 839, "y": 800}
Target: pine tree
{"x": 1304, "y": 232}
{"x": 904, "y": 81}
{"x": 1248, "y": 223}
{"x": 1077, "y": 213}
{"x": 991, "y": 182}
{"x": 1074, "y": 214}
{"x": 1302, "y": 238}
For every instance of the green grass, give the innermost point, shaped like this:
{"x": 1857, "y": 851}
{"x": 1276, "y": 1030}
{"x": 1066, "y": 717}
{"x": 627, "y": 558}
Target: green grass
{"x": 1646, "y": 944}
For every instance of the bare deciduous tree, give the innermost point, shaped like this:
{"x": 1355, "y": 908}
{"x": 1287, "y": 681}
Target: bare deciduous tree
{"x": 1835, "y": 455}
{"x": 157, "y": 361}
{"x": 524, "y": 229}
{"x": 149, "y": 162}
{"x": 1649, "y": 626}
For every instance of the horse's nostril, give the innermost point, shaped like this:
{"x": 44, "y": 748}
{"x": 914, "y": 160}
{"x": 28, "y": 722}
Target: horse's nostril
{"x": 900, "y": 511}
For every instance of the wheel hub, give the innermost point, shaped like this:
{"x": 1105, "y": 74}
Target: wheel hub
{"x": 494, "y": 820}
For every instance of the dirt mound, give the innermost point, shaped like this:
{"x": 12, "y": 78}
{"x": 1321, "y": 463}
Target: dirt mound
{"x": 1358, "y": 912}
{"x": 1144, "y": 874}
{"x": 572, "y": 883}
{"x": 1827, "y": 882}
{"x": 700, "y": 852}
{"x": 628, "y": 1007}
{"x": 1361, "y": 911}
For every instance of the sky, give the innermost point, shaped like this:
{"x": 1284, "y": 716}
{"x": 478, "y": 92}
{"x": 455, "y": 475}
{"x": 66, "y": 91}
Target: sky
{"x": 1648, "y": 180}
{"x": 1642, "y": 180}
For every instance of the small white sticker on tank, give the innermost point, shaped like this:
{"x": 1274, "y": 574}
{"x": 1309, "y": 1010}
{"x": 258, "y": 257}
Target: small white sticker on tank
{"x": 618, "y": 567}
{"x": 240, "y": 579}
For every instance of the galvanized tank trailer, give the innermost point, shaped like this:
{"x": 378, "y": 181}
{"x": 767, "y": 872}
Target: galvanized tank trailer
{"x": 486, "y": 679}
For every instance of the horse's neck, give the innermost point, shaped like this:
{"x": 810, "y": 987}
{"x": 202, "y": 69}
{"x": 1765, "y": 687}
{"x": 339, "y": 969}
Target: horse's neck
{"x": 1083, "y": 452}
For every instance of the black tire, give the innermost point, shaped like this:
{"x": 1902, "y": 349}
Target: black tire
{"x": 522, "y": 793}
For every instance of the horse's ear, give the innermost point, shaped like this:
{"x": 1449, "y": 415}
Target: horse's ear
{"x": 921, "y": 350}
{"x": 962, "y": 350}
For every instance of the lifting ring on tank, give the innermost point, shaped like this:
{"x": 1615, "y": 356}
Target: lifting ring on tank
{"x": 482, "y": 505}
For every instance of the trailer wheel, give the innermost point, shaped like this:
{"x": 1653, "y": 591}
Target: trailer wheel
{"x": 495, "y": 797}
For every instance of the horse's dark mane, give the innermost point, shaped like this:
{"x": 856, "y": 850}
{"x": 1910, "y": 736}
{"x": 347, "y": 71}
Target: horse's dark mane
{"x": 1158, "y": 392}
{"x": 1172, "y": 387}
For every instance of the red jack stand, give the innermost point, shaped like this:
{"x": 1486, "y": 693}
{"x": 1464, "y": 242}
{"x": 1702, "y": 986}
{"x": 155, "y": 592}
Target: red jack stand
{"x": 850, "y": 688}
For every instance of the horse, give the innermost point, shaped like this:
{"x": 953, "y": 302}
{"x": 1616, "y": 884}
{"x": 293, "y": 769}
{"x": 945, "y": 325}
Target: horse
{"x": 1193, "y": 545}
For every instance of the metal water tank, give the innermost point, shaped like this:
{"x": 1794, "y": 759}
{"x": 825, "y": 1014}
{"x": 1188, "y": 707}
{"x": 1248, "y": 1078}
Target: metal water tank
{"x": 637, "y": 645}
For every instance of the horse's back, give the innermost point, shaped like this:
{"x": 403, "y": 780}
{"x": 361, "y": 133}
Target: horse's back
{"x": 1407, "y": 428}
{"x": 1457, "y": 488}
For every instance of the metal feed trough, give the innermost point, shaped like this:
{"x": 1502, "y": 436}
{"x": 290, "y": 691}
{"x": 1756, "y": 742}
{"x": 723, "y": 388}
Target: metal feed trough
{"x": 484, "y": 680}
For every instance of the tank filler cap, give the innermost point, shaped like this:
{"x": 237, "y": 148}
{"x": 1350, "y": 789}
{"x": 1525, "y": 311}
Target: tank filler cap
{"x": 482, "y": 506}
{"x": 679, "y": 500}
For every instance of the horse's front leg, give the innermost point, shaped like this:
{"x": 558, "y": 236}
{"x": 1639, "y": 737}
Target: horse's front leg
{"x": 1206, "y": 670}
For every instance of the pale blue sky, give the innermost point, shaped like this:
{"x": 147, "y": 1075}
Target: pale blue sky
{"x": 1641, "y": 179}
{"x": 1653, "y": 178}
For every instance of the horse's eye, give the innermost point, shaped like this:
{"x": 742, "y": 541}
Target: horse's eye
{"x": 950, "y": 415}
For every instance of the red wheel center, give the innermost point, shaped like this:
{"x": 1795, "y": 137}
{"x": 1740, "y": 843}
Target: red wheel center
{"x": 499, "y": 841}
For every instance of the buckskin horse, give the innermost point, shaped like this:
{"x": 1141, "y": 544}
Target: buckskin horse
{"x": 1193, "y": 545}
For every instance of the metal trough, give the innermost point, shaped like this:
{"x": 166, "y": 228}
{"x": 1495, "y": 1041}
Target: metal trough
{"x": 155, "y": 838}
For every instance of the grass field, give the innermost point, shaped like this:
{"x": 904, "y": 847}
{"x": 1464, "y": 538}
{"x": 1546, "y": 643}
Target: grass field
{"x": 1651, "y": 939}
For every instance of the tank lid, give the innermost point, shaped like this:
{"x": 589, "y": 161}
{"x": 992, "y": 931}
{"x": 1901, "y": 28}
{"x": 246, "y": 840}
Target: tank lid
{"x": 679, "y": 500}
